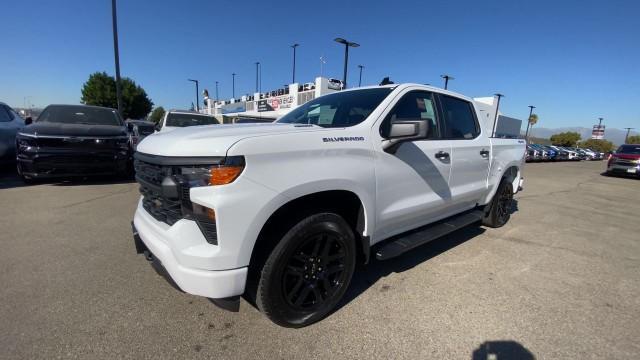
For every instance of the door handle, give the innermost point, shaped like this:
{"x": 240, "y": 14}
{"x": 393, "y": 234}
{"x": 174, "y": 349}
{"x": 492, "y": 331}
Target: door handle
{"x": 441, "y": 155}
{"x": 484, "y": 152}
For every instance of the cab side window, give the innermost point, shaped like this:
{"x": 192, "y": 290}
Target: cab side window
{"x": 459, "y": 119}
{"x": 413, "y": 106}
{"x": 5, "y": 116}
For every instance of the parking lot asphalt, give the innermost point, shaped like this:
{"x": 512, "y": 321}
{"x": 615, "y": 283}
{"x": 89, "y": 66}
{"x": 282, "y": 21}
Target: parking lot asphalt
{"x": 560, "y": 281}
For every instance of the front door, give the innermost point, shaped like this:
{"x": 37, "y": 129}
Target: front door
{"x": 412, "y": 183}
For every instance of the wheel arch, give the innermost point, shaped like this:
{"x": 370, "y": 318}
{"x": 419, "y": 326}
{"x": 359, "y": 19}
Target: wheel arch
{"x": 345, "y": 203}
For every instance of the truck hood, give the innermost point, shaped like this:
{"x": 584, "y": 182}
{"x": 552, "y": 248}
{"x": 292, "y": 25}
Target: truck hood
{"x": 212, "y": 140}
{"x": 59, "y": 129}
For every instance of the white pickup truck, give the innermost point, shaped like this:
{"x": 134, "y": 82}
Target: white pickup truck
{"x": 283, "y": 212}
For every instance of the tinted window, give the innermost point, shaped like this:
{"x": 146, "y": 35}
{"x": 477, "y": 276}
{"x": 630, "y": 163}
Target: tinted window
{"x": 412, "y": 106}
{"x": 629, "y": 149}
{"x": 79, "y": 115}
{"x": 341, "y": 109}
{"x": 184, "y": 120}
{"x": 459, "y": 120}
{"x": 4, "y": 114}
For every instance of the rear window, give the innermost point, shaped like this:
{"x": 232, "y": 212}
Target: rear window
{"x": 629, "y": 149}
{"x": 184, "y": 120}
{"x": 80, "y": 115}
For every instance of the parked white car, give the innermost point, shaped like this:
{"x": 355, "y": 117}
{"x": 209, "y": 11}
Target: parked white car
{"x": 283, "y": 212}
{"x": 174, "y": 119}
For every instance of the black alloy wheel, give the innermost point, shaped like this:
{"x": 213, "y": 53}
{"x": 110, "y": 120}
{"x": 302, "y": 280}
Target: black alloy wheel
{"x": 314, "y": 272}
{"x": 308, "y": 271}
{"x": 498, "y": 211}
{"x": 504, "y": 204}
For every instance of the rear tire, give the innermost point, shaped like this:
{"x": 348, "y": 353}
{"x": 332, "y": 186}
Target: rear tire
{"x": 308, "y": 271}
{"x": 499, "y": 210}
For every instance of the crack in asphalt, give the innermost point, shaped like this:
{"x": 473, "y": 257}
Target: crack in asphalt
{"x": 96, "y": 198}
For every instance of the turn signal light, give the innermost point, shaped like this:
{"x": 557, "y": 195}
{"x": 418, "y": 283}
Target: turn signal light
{"x": 224, "y": 174}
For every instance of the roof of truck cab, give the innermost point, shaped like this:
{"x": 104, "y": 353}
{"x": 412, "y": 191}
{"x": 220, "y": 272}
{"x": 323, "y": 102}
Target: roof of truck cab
{"x": 405, "y": 85}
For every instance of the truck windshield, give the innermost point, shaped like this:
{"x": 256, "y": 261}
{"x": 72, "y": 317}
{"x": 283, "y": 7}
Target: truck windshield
{"x": 629, "y": 149}
{"x": 342, "y": 109}
{"x": 184, "y": 120}
{"x": 77, "y": 114}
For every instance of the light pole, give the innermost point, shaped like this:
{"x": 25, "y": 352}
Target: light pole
{"x": 526, "y": 134}
{"x": 446, "y": 80}
{"x": 626, "y": 138}
{"x": 294, "y": 46}
{"x": 197, "y": 95}
{"x": 347, "y": 44}
{"x": 495, "y": 119}
{"x": 360, "y": 79}
{"x": 257, "y": 66}
{"x": 116, "y": 54}
{"x": 233, "y": 85}
{"x": 217, "y": 91}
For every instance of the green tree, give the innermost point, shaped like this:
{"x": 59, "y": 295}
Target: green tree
{"x": 597, "y": 145}
{"x": 568, "y": 138}
{"x": 533, "y": 119}
{"x": 633, "y": 139}
{"x": 157, "y": 114}
{"x": 100, "y": 90}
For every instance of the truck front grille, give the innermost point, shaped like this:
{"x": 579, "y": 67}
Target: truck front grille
{"x": 164, "y": 208}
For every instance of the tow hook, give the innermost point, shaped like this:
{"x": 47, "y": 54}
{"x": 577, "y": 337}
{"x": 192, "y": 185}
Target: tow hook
{"x": 148, "y": 255}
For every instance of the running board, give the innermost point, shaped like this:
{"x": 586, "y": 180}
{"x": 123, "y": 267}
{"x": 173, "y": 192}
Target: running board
{"x": 426, "y": 234}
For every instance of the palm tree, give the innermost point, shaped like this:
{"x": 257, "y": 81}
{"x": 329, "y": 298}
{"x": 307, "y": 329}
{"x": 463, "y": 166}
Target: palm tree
{"x": 533, "y": 119}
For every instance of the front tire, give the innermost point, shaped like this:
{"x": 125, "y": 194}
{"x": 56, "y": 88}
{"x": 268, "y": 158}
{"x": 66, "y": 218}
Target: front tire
{"x": 499, "y": 210}
{"x": 308, "y": 271}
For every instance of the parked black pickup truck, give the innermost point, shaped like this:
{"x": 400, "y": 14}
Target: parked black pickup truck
{"x": 73, "y": 140}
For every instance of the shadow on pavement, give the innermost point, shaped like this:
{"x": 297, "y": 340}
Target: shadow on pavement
{"x": 502, "y": 350}
{"x": 366, "y": 277}
{"x": 9, "y": 178}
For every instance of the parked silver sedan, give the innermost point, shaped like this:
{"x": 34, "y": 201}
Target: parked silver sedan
{"x": 10, "y": 123}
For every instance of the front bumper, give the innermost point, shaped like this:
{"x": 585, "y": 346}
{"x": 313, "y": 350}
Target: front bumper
{"x": 155, "y": 237}
{"x": 62, "y": 163}
{"x": 624, "y": 169}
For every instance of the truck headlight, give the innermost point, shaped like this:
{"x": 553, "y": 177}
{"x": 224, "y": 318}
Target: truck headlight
{"x": 203, "y": 175}
{"x": 25, "y": 144}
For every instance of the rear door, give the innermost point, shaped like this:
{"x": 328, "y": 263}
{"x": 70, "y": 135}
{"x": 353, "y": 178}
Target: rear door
{"x": 412, "y": 183}
{"x": 470, "y": 151}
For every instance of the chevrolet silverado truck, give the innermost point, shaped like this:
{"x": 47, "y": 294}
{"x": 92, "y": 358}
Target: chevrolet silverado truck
{"x": 283, "y": 212}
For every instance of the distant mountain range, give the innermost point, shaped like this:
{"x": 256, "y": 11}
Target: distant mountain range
{"x": 616, "y": 136}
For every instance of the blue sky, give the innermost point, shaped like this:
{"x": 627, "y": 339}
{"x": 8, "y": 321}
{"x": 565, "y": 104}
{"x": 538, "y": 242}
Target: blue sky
{"x": 574, "y": 60}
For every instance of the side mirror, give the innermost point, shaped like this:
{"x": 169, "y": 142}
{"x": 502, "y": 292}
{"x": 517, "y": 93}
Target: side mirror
{"x": 157, "y": 127}
{"x": 405, "y": 130}
{"x": 28, "y": 120}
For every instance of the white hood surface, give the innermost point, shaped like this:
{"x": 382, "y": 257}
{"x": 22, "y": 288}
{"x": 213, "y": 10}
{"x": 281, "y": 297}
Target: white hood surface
{"x": 211, "y": 140}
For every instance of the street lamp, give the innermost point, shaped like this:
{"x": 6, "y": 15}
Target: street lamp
{"x": 495, "y": 119}
{"x": 526, "y": 134}
{"x": 626, "y": 138}
{"x": 347, "y": 44}
{"x": 294, "y": 46}
{"x": 197, "y": 95}
{"x": 233, "y": 85}
{"x": 446, "y": 80}
{"x": 257, "y": 66}
{"x": 360, "y": 79}
{"x": 116, "y": 54}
